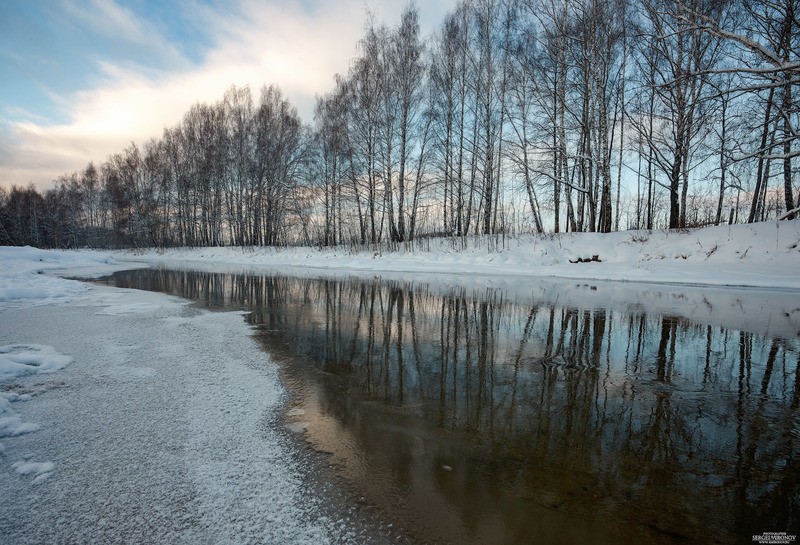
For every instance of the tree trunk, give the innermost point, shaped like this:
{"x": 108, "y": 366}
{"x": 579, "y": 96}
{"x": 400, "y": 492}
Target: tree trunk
{"x": 722, "y": 163}
{"x": 760, "y": 181}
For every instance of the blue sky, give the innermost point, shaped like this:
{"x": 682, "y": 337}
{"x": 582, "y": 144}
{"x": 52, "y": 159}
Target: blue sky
{"x": 83, "y": 78}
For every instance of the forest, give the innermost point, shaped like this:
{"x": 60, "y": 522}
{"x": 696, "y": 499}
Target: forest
{"x": 514, "y": 116}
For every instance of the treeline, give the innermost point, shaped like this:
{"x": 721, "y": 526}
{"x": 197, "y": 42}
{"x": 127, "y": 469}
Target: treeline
{"x": 515, "y": 116}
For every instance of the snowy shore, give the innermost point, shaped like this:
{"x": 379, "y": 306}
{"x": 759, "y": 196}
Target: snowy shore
{"x": 134, "y": 417}
{"x": 763, "y": 255}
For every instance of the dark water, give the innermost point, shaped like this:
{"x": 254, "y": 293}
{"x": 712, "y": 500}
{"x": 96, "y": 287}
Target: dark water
{"x": 538, "y": 411}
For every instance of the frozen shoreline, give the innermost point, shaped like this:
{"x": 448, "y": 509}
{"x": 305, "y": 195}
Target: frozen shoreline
{"x": 135, "y": 417}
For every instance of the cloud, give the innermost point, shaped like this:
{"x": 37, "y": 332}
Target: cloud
{"x": 119, "y": 24}
{"x": 296, "y": 45}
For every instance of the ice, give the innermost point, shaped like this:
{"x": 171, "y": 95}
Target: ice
{"x": 34, "y": 468}
{"x": 166, "y": 428}
{"x": 40, "y": 471}
{"x": 129, "y": 309}
{"x": 21, "y": 359}
{"x": 298, "y": 427}
{"x": 11, "y": 424}
{"x": 18, "y": 360}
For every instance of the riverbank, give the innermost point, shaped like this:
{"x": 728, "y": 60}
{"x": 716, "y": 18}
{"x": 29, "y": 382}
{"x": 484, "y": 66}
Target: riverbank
{"x": 765, "y": 255}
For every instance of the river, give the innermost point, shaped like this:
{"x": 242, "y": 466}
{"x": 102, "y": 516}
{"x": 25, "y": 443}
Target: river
{"x": 491, "y": 410}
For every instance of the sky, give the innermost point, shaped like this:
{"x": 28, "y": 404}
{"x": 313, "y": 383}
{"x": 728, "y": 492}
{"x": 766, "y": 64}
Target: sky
{"x": 82, "y": 79}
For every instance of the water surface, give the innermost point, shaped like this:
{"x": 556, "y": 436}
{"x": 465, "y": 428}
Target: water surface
{"x": 533, "y": 411}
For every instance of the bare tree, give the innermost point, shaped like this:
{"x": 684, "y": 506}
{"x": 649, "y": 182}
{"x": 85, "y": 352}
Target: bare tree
{"x": 677, "y": 54}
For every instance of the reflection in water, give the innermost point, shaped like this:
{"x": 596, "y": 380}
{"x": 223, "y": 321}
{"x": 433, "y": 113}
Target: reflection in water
{"x": 475, "y": 417}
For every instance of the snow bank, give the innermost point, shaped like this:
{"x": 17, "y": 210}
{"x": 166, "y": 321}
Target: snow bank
{"x": 757, "y": 255}
{"x": 22, "y": 278}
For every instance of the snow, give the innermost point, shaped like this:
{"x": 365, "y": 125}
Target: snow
{"x": 142, "y": 420}
{"x": 164, "y": 432}
{"x": 17, "y": 360}
{"x": 39, "y": 470}
{"x": 20, "y": 359}
{"x": 129, "y": 416}
{"x": 23, "y": 281}
{"x": 128, "y": 309}
{"x": 11, "y": 423}
{"x": 756, "y": 255}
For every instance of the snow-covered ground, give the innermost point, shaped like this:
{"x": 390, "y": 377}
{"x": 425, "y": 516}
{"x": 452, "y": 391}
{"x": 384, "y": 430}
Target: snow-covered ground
{"x": 128, "y": 416}
{"x": 133, "y": 417}
{"x": 758, "y": 255}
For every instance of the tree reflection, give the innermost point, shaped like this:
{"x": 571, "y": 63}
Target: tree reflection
{"x": 608, "y": 424}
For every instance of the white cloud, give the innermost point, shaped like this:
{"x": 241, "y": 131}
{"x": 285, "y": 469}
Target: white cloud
{"x": 118, "y": 23}
{"x": 298, "y": 48}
